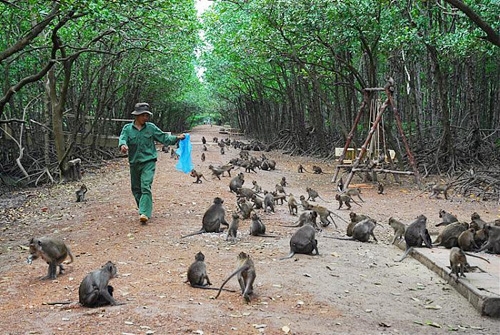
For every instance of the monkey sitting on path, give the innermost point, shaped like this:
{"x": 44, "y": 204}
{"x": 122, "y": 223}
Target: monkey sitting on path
{"x": 197, "y": 274}
{"x": 246, "y": 276}
{"x": 94, "y": 290}
{"x": 212, "y": 219}
{"x": 51, "y": 250}
{"x": 303, "y": 242}
{"x": 257, "y": 227}
{"x": 232, "y": 231}
{"x": 80, "y": 193}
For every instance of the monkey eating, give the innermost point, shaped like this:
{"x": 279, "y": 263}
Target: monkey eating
{"x": 212, "y": 219}
{"x": 303, "y": 241}
{"x": 51, "y": 250}
{"x": 80, "y": 193}
{"x": 415, "y": 234}
{"x": 198, "y": 176}
{"x": 94, "y": 290}
{"x": 246, "y": 276}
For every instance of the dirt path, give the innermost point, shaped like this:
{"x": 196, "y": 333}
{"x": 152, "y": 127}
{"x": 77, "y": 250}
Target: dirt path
{"x": 351, "y": 288}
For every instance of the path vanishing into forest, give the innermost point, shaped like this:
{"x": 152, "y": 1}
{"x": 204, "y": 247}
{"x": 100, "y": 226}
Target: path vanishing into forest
{"x": 350, "y": 288}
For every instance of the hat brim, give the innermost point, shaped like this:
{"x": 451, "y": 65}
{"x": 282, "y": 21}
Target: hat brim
{"x": 141, "y": 112}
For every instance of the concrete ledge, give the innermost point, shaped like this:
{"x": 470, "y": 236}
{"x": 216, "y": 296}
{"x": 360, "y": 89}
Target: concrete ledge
{"x": 481, "y": 287}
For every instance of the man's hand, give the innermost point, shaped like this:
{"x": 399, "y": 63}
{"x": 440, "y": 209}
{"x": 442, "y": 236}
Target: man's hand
{"x": 123, "y": 149}
{"x": 181, "y": 137}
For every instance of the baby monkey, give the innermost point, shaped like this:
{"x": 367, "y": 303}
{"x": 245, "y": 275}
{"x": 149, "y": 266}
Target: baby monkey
{"x": 198, "y": 176}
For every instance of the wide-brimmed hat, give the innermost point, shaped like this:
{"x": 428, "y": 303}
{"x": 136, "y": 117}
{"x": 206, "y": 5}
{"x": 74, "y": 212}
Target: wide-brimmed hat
{"x": 141, "y": 108}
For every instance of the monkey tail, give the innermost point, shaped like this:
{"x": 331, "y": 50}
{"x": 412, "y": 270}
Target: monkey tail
{"x": 472, "y": 255}
{"x": 292, "y": 253}
{"x": 243, "y": 268}
{"x": 410, "y": 249}
{"x": 324, "y": 200}
{"x": 70, "y": 256}
{"x": 201, "y": 231}
{"x": 338, "y": 217}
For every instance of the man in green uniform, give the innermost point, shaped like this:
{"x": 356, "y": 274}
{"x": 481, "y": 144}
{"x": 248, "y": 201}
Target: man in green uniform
{"x": 138, "y": 140}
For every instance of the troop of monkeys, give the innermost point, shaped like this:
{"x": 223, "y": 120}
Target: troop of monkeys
{"x": 460, "y": 237}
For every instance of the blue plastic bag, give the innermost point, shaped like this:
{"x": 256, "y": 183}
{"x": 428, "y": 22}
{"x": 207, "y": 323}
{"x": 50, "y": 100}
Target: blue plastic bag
{"x": 185, "y": 164}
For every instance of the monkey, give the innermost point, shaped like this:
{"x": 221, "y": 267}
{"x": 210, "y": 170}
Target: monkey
{"x": 324, "y": 215}
{"x": 292, "y": 204}
{"x": 165, "y": 148}
{"x": 244, "y": 154}
{"x": 216, "y": 171}
{"x": 202, "y": 156}
{"x": 215, "y": 140}
{"x": 280, "y": 189}
{"x": 94, "y": 290}
{"x": 305, "y": 204}
{"x": 380, "y": 188}
{"x": 466, "y": 240}
{"x": 480, "y": 236}
{"x": 300, "y": 169}
{"x": 222, "y": 152}
{"x": 389, "y": 86}
{"x": 312, "y": 195}
{"x": 415, "y": 234}
{"x": 237, "y": 182}
{"x": 437, "y": 189}
{"x": 448, "y": 237}
{"x": 476, "y": 222}
{"x": 493, "y": 243}
{"x": 303, "y": 241}
{"x": 256, "y": 187}
{"x": 447, "y": 218}
{"x": 363, "y": 230}
{"x": 399, "y": 229}
{"x": 458, "y": 262}
{"x": 80, "y": 193}
{"x": 51, "y": 250}
{"x": 246, "y": 275}
{"x": 354, "y": 192}
{"x": 198, "y": 176}
{"x": 345, "y": 199}
{"x": 212, "y": 219}
{"x": 173, "y": 154}
{"x": 340, "y": 185}
{"x": 307, "y": 217}
{"x": 204, "y": 148}
{"x": 245, "y": 208}
{"x": 317, "y": 169}
{"x": 203, "y": 140}
{"x": 278, "y": 197}
{"x": 257, "y": 227}
{"x": 355, "y": 218}
{"x": 271, "y": 163}
{"x": 257, "y": 203}
{"x": 197, "y": 272}
{"x": 245, "y": 192}
{"x": 226, "y": 168}
{"x": 268, "y": 202}
{"x": 283, "y": 182}
{"x": 232, "y": 231}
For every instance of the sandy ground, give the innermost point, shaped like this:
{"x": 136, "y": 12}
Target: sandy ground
{"x": 350, "y": 288}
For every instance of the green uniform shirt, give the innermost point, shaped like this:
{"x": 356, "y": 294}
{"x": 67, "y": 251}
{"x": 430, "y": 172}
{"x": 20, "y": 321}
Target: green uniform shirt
{"x": 141, "y": 143}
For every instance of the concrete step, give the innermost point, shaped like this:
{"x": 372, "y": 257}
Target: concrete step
{"x": 480, "y": 287}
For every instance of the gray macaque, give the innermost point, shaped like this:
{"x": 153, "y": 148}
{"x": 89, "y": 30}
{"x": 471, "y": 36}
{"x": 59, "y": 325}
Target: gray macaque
{"x": 257, "y": 202}
{"x": 448, "y": 237}
{"x": 355, "y": 218}
{"x": 233, "y": 227}
{"x": 305, "y": 204}
{"x": 476, "y": 222}
{"x": 197, "y": 272}
{"x": 466, "y": 240}
{"x": 399, "y": 229}
{"x": 307, "y": 217}
{"x": 94, "y": 290}
{"x": 292, "y": 205}
{"x": 245, "y": 207}
{"x": 51, "y": 250}
{"x": 237, "y": 183}
{"x": 458, "y": 261}
{"x": 345, "y": 199}
{"x": 268, "y": 202}
{"x": 437, "y": 189}
{"x": 312, "y": 195}
{"x": 246, "y": 276}
{"x": 257, "y": 227}
{"x": 446, "y": 218}
{"x": 80, "y": 193}
{"x": 325, "y": 214}
{"x": 303, "y": 241}
{"x": 415, "y": 234}
{"x": 493, "y": 243}
{"x": 354, "y": 192}
{"x": 212, "y": 219}
{"x": 198, "y": 176}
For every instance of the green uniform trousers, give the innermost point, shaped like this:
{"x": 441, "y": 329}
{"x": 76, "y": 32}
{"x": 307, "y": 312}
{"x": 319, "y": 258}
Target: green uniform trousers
{"x": 141, "y": 179}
